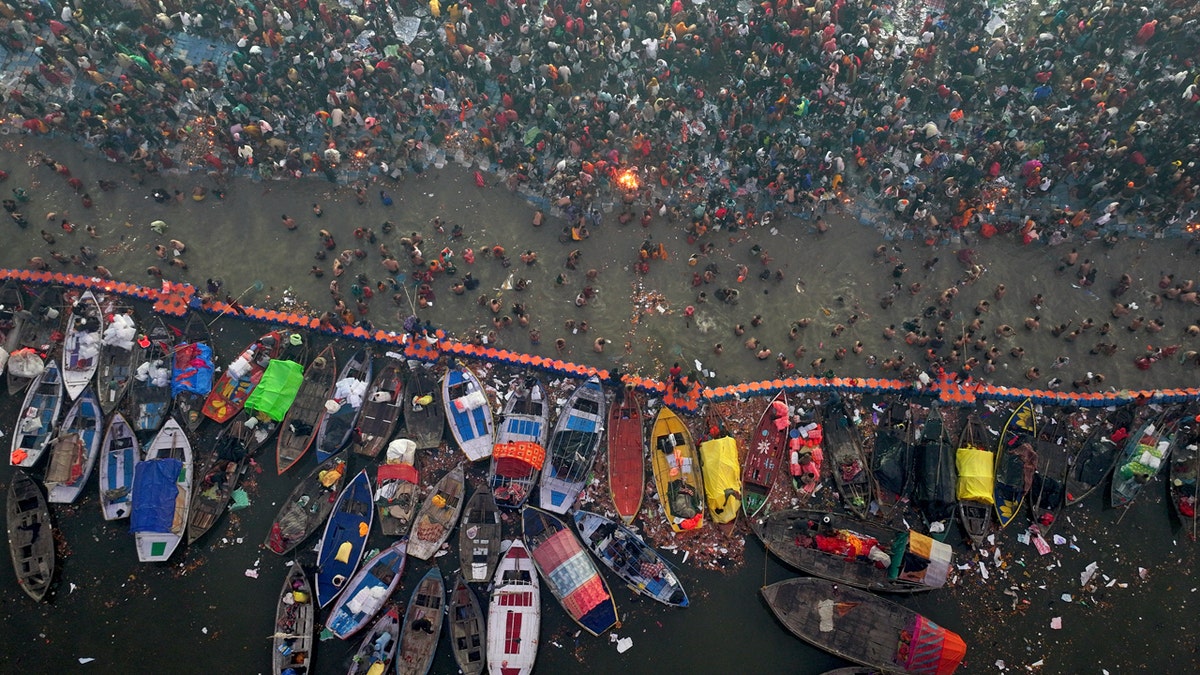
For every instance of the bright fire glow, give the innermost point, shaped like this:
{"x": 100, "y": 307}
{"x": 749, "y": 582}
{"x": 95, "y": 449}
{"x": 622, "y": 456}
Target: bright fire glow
{"x": 628, "y": 180}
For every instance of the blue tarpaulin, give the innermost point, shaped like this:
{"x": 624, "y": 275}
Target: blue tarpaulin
{"x": 154, "y": 493}
{"x": 192, "y": 370}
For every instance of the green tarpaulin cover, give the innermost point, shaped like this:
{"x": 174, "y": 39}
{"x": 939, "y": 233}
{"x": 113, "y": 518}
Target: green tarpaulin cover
{"x": 277, "y": 389}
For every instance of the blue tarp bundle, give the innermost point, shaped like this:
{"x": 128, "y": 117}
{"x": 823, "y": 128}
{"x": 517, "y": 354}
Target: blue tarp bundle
{"x": 154, "y": 493}
{"x": 192, "y": 370}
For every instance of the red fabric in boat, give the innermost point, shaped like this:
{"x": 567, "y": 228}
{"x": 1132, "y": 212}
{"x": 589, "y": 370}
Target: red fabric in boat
{"x": 589, "y": 594}
{"x": 559, "y": 548}
{"x": 512, "y": 632}
{"x": 404, "y": 472}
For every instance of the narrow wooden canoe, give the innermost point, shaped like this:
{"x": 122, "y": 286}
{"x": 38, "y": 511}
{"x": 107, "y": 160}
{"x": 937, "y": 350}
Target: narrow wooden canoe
{"x": 38, "y": 418}
{"x": 30, "y": 536}
{"x": 295, "y": 615}
{"x": 764, "y": 454}
{"x": 162, "y": 491}
{"x": 626, "y": 456}
{"x": 621, "y": 550}
{"x": 437, "y": 516}
{"x": 479, "y": 537}
{"x": 514, "y": 613}
{"x": 45, "y": 316}
{"x": 73, "y": 454}
{"x": 1185, "y": 468}
{"x": 468, "y": 638}
{"x": 424, "y": 414}
{"x": 677, "y": 472}
{"x": 1097, "y": 456}
{"x": 844, "y": 452}
{"x": 469, "y": 413}
{"x": 343, "y": 404}
{"x": 218, "y": 478}
{"x": 308, "y": 506}
{"x": 1016, "y": 455}
{"x": 378, "y": 648}
{"x": 380, "y": 410}
{"x": 568, "y": 571}
{"x": 193, "y": 365}
{"x": 573, "y": 447}
{"x": 422, "y": 625}
{"x": 1144, "y": 456}
{"x": 864, "y": 628}
{"x": 298, "y": 430}
{"x": 398, "y": 488}
{"x": 114, "y": 372}
{"x": 12, "y": 314}
{"x": 856, "y": 552}
{"x": 935, "y": 476}
{"x": 81, "y": 345}
{"x": 345, "y": 538}
{"x": 519, "y": 453}
{"x": 975, "y": 465}
{"x": 367, "y": 591}
{"x": 230, "y": 391}
{"x": 149, "y": 396}
{"x": 119, "y": 456}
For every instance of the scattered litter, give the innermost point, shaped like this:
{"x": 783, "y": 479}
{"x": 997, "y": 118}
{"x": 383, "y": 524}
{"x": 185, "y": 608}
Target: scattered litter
{"x": 1142, "y": 572}
{"x": 204, "y": 630}
{"x": 1085, "y": 577}
{"x": 1067, "y": 597}
{"x": 240, "y": 500}
{"x": 1000, "y": 664}
{"x": 85, "y": 659}
{"x": 1056, "y": 623}
{"x": 983, "y": 571}
{"x": 73, "y": 587}
{"x": 252, "y": 573}
{"x": 1059, "y": 540}
{"x": 1038, "y": 664}
{"x": 624, "y": 645}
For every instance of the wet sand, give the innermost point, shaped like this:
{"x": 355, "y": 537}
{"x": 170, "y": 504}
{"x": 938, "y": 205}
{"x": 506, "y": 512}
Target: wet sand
{"x": 827, "y": 280}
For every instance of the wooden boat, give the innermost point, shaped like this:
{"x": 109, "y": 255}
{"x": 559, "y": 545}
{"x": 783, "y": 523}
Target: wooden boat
{"x": 193, "y": 365}
{"x": 230, "y": 391}
{"x": 935, "y": 476}
{"x": 469, "y": 413}
{"x": 37, "y": 331}
{"x": 626, "y": 456}
{"x": 30, "y": 536}
{"x": 1047, "y": 490}
{"x": 380, "y": 410}
{"x": 149, "y": 396}
{"x": 677, "y": 474}
{"x": 1097, "y": 456}
{"x": 519, "y": 453}
{"x": 1185, "y": 467}
{"x": 764, "y": 454}
{"x": 378, "y": 648}
{"x": 73, "y": 454}
{"x": 308, "y": 506}
{"x": 722, "y": 478}
{"x": 424, "y": 415}
{"x": 397, "y": 488}
{"x": 621, "y": 550}
{"x": 1016, "y": 461}
{"x": 162, "y": 491}
{"x": 573, "y": 447}
{"x": 568, "y": 571}
{"x": 81, "y": 345}
{"x": 439, "y": 512}
{"x": 514, "y": 614}
{"x": 856, "y": 552}
{"x": 343, "y": 404}
{"x": 976, "y": 468}
{"x": 479, "y": 537}
{"x": 367, "y": 591}
{"x": 114, "y": 371}
{"x": 119, "y": 456}
{"x": 345, "y": 538}
{"x": 843, "y": 449}
{"x": 422, "y": 625}
{"x": 297, "y": 431}
{"x": 467, "y": 628}
{"x": 891, "y": 457}
{"x": 39, "y": 415}
{"x": 295, "y": 615}
{"x": 218, "y": 478}
{"x": 864, "y": 628}
{"x": 12, "y": 314}
{"x": 1144, "y": 455}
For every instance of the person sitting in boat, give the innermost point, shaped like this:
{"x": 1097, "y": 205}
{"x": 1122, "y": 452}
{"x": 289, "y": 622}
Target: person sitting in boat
{"x": 682, "y": 498}
{"x": 423, "y": 624}
{"x": 853, "y": 546}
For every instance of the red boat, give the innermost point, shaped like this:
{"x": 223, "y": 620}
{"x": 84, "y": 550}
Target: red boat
{"x": 764, "y": 455}
{"x": 230, "y": 392}
{"x": 626, "y": 457}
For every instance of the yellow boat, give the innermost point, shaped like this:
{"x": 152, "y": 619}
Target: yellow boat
{"x": 677, "y": 472}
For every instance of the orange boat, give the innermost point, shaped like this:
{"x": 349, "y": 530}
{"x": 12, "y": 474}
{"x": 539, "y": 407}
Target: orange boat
{"x": 230, "y": 392}
{"x": 626, "y": 457}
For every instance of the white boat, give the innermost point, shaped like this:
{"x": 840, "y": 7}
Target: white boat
{"x": 514, "y": 614}
{"x": 119, "y": 455}
{"x": 39, "y": 414}
{"x": 81, "y": 346}
{"x": 74, "y": 452}
{"x": 469, "y": 413}
{"x": 162, "y": 491}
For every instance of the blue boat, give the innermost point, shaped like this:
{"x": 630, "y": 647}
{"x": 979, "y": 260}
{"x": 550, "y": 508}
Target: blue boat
{"x": 573, "y": 447}
{"x": 568, "y": 571}
{"x": 636, "y": 562}
{"x": 38, "y": 417}
{"x": 74, "y": 452}
{"x": 345, "y": 538}
{"x": 469, "y": 413}
{"x": 367, "y": 591}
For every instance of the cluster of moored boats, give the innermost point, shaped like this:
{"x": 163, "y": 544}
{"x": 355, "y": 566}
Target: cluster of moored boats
{"x": 135, "y": 394}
